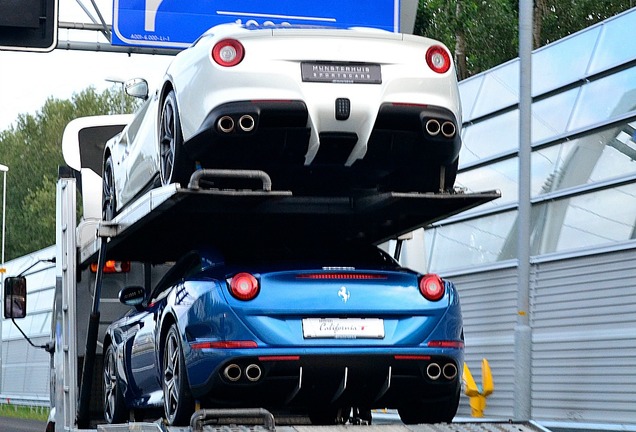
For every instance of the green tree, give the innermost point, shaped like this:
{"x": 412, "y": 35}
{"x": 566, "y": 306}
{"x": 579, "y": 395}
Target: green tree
{"x": 556, "y": 19}
{"x": 32, "y": 149}
{"x": 484, "y": 33}
{"x": 481, "y": 34}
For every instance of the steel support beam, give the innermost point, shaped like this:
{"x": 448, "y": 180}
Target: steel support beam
{"x": 523, "y": 331}
{"x": 107, "y": 47}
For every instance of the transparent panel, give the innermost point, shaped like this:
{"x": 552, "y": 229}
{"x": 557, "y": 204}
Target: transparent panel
{"x": 619, "y": 152}
{"x": 489, "y": 138}
{"x": 468, "y": 91}
{"x": 547, "y": 164}
{"x": 470, "y": 243}
{"x": 616, "y": 43}
{"x": 46, "y": 325}
{"x": 563, "y": 62}
{"x": 500, "y": 89}
{"x": 32, "y": 325}
{"x": 501, "y": 175}
{"x": 44, "y": 278}
{"x": 35, "y": 327}
{"x": 10, "y": 331}
{"x": 6, "y": 329}
{"x": 605, "y": 98}
{"x": 41, "y": 300}
{"x": 594, "y": 219}
{"x": 550, "y": 116}
{"x": 596, "y": 157}
{"x": 600, "y": 156}
{"x": 500, "y": 134}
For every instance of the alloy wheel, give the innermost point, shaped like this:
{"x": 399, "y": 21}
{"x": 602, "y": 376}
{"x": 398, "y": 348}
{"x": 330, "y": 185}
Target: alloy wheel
{"x": 171, "y": 376}
{"x": 108, "y": 191}
{"x": 114, "y": 407}
{"x": 167, "y": 141}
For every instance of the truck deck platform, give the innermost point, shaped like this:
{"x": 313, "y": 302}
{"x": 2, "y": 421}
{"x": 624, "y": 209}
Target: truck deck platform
{"x": 460, "y": 426}
{"x": 439, "y": 427}
{"x": 168, "y": 221}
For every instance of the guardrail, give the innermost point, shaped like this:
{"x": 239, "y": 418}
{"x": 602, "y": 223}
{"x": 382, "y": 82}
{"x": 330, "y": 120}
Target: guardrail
{"x": 22, "y": 400}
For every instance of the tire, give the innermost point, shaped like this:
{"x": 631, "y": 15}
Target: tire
{"x": 175, "y": 166}
{"x": 114, "y": 406}
{"x": 109, "y": 198}
{"x": 432, "y": 412}
{"x": 177, "y": 401}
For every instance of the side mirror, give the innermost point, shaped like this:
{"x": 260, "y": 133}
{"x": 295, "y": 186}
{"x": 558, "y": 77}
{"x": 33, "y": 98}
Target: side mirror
{"x": 132, "y": 296}
{"x": 137, "y": 87}
{"x": 15, "y": 297}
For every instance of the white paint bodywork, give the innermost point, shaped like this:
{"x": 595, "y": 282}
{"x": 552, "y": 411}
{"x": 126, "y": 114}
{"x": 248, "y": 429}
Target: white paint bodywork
{"x": 71, "y": 151}
{"x": 271, "y": 70}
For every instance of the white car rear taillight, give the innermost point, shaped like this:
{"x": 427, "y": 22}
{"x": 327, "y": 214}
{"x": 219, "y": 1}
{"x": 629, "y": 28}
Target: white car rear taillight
{"x": 438, "y": 59}
{"x": 228, "y": 52}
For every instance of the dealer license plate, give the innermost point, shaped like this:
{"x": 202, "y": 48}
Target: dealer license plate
{"x": 343, "y": 328}
{"x": 343, "y": 73}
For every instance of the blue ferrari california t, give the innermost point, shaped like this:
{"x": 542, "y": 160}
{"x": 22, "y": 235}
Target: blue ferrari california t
{"x": 313, "y": 327}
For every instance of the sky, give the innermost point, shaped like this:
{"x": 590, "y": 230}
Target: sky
{"x": 27, "y": 79}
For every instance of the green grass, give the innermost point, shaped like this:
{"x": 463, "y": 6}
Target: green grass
{"x": 24, "y": 412}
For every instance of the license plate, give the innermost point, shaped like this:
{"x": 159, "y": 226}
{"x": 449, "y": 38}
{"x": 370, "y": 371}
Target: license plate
{"x": 341, "y": 73}
{"x": 343, "y": 328}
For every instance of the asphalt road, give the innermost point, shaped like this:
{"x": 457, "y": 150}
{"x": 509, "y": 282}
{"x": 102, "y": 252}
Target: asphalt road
{"x": 8, "y": 424}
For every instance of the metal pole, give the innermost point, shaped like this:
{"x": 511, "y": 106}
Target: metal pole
{"x": 523, "y": 331}
{"x": 86, "y": 385}
{"x": 3, "y": 169}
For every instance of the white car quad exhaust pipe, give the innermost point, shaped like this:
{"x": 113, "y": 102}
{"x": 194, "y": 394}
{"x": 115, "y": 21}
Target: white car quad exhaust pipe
{"x": 247, "y": 123}
{"x": 225, "y": 124}
{"x": 448, "y": 129}
{"x": 433, "y": 127}
{"x": 232, "y": 372}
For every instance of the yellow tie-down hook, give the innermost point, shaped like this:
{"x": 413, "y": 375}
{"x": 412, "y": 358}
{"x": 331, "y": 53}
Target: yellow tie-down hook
{"x": 478, "y": 395}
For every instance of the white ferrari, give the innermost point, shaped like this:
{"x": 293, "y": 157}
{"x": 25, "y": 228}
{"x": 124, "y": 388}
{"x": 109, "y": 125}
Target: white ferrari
{"x": 321, "y": 110}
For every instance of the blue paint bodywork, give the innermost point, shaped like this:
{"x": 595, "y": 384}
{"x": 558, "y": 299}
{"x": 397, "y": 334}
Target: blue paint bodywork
{"x": 295, "y": 372}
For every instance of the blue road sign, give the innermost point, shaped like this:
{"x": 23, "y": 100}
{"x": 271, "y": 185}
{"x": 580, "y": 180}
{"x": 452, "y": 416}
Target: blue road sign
{"x": 177, "y": 23}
